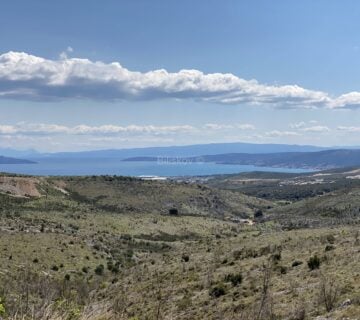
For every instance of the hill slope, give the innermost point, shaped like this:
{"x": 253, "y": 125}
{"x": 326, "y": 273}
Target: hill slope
{"x": 138, "y": 196}
{"x": 316, "y": 160}
{"x": 8, "y": 160}
{"x": 99, "y": 248}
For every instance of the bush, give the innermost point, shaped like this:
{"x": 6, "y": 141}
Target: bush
{"x": 2, "y": 308}
{"x": 110, "y": 265}
{"x": 258, "y": 214}
{"x": 55, "y": 268}
{"x": 283, "y": 270}
{"x": 235, "y": 279}
{"x": 329, "y": 247}
{"x": 99, "y": 270}
{"x": 329, "y": 293}
{"x": 116, "y": 268}
{"x": 276, "y": 256}
{"x": 217, "y": 291}
{"x": 296, "y": 263}
{"x": 185, "y": 258}
{"x": 173, "y": 212}
{"x": 314, "y": 262}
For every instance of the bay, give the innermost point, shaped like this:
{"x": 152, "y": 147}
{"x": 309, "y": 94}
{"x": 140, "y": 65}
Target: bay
{"x": 111, "y": 166}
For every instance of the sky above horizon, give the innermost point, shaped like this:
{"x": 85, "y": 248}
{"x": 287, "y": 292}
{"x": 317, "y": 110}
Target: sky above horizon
{"x": 85, "y": 75}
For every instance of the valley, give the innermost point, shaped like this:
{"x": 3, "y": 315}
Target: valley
{"x": 108, "y": 247}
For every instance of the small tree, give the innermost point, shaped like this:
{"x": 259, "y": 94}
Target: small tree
{"x": 173, "y": 212}
{"x": 235, "y": 279}
{"x": 329, "y": 292}
{"x": 217, "y": 291}
{"x": 258, "y": 214}
{"x": 314, "y": 262}
{"x": 99, "y": 270}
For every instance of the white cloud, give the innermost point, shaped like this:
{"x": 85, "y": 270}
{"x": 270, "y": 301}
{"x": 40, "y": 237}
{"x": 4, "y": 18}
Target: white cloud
{"x": 38, "y": 129}
{"x": 241, "y": 126}
{"x": 5, "y": 130}
{"x": 297, "y": 125}
{"x": 302, "y": 124}
{"x": 24, "y": 76}
{"x": 349, "y": 129}
{"x": 310, "y": 126}
{"x": 278, "y": 133}
{"x": 316, "y": 129}
{"x": 64, "y": 55}
{"x": 348, "y": 100}
{"x": 53, "y": 129}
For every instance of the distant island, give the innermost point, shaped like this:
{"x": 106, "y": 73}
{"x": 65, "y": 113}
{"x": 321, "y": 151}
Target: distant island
{"x": 321, "y": 160}
{"x": 7, "y": 160}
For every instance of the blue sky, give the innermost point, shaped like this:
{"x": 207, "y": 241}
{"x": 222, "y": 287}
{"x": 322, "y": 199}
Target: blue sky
{"x": 303, "y": 56}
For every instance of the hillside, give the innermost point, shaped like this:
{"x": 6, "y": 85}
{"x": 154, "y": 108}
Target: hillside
{"x": 315, "y": 160}
{"x": 105, "y": 248}
{"x": 288, "y": 186}
{"x": 339, "y": 207}
{"x": 8, "y": 160}
{"x": 139, "y": 196}
{"x": 306, "y": 160}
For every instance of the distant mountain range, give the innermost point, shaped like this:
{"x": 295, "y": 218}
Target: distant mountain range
{"x": 270, "y": 155}
{"x": 171, "y": 151}
{"x": 7, "y": 160}
{"x": 326, "y": 159}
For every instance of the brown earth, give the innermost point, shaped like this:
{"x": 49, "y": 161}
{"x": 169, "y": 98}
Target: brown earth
{"x": 20, "y": 186}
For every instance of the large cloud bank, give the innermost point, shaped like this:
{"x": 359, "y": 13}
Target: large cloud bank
{"x": 25, "y": 76}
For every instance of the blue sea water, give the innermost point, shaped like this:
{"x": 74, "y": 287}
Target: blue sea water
{"x": 108, "y": 166}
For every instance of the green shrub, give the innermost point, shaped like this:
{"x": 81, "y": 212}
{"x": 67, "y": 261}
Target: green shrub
{"x": 2, "y": 308}
{"x": 115, "y": 268}
{"x": 55, "y": 268}
{"x": 329, "y": 247}
{"x": 235, "y": 279}
{"x": 217, "y": 291}
{"x": 314, "y": 262}
{"x": 110, "y": 265}
{"x": 276, "y": 256}
{"x": 296, "y": 263}
{"x": 258, "y": 214}
{"x": 185, "y": 258}
{"x": 99, "y": 270}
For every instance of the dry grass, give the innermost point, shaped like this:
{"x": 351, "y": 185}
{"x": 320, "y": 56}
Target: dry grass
{"x": 153, "y": 279}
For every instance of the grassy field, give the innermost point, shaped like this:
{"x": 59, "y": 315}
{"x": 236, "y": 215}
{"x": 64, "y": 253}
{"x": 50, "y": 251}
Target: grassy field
{"x": 107, "y": 248}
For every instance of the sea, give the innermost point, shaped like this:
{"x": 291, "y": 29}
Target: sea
{"x": 111, "y": 166}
